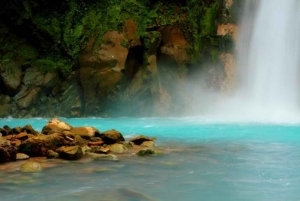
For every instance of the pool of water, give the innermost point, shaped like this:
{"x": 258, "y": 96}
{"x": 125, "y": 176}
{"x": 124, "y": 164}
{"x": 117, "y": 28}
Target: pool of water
{"x": 207, "y": 161}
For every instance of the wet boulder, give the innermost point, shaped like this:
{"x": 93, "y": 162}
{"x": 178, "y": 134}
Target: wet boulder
{"x": 139, "y": 140}
{"x": 29, "y": 130}
{"x": 36, "y": 146}
{"x": 8, "y": 152}
{"x": 86, "y": 132}
{"x": 118, "y": 148}
{"x": 52, "y": 154}
{"x": 112, "y": 136}
{"x": 70, "y": 152}
{"x": 40, "y": 144}
{"x": 56, "y": 125}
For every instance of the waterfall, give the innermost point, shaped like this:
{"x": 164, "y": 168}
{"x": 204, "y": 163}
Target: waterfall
{"x": 267, "y": 66}
{"x": 268, "y": 55}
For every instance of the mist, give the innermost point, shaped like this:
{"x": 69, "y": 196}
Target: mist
{"x": 266, "y": 83}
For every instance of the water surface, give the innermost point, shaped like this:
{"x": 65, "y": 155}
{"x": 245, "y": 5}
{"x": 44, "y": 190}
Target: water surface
{"x": 207, "y": 161}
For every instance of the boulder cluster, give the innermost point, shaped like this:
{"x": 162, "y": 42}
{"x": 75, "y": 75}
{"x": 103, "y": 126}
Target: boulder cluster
{"x": 58, "y": 139}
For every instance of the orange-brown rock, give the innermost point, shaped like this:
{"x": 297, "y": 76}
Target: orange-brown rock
{"x": 140, "y": 139}
{"x": 228, "y": 29}
{"x": 97, "y": 143}
{"x": 85, "y": 132}
{"x": 21, "y": 136}
{"x": 15, "y": 142}
{"x": 56, "y": 125}
{"x": 112, "y": 136}
{"x": 130, "y": 30}
{"x": 174, "y": 44}
{"x": 70, "y": 152}
{"x": 28, "y": 129}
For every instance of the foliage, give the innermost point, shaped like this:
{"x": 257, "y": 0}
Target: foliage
{"x": 62, "y": 28}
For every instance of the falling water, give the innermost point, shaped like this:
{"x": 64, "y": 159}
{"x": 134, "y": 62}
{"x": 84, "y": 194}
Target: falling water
{"x": 269, "y": 55}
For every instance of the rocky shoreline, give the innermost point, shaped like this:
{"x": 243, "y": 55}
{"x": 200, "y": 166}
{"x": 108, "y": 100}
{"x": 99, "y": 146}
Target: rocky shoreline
{"x": 60, "y": 141}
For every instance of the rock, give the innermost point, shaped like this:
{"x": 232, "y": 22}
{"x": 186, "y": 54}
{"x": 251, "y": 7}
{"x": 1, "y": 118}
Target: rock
{"x": 22, "y": 136}
{"x": 112, "y": 136}
{"x": 15, "y": 142}
{"x": 86, "y": 132}
{"x": 36, "y": 146}
{"x": 11, "y": 74}
{"x": 174, "y": 44}
{"x": 148, "y": 152}
{"x": 4, "y": 155}
{"x": 40, "y": 144}
{"x": 118, "y": 148}
{"x": 52, "y": 154}
{"x": 31, "y": 166}
{"x": 5, "y": 110}
{"x": 101, "y": 150}
{"x": 55, "y": 125}
{"x": 7, "y": 153}
{"x": 96, "y": 143}
{"x": 140, "y": 139}
{"x": 27, "y": 100}
{"x": 16, "y": 130}
{"x": 21, "y": 156}
{"x": 29, "y": 130}
{"x": 70, "y": 153}
{"x": 3, "y": 132}
{"x": 109, "y": 157}
{"x": 148, "y": 144}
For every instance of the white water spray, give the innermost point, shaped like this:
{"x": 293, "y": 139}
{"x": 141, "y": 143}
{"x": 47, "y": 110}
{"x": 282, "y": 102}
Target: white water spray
{"x": 268, "y": 59}
{"x": 268, "y": 55}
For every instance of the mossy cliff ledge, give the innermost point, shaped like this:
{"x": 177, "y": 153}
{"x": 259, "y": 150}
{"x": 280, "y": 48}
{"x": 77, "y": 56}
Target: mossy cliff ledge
{"x": 108, "y": 58}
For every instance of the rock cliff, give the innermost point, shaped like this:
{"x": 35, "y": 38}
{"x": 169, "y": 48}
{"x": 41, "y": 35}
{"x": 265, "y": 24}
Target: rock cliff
{"x": 112, "y": 58}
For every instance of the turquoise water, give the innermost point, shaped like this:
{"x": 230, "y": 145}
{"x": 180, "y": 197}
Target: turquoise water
{"x": 207, "y": 161}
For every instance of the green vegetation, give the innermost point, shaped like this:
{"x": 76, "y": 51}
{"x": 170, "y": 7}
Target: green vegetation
{"x": 54, "y": 32}
{"x": 200, "y": 30}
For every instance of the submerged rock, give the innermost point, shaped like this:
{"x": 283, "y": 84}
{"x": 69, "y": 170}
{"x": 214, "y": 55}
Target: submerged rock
{"x": 31, "y": 166}
{"x": 110, "y": 157}
{"x": 148, "y": 152}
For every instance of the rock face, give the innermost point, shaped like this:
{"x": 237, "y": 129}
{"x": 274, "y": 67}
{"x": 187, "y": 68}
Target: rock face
{"x": 131, "y": 65}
